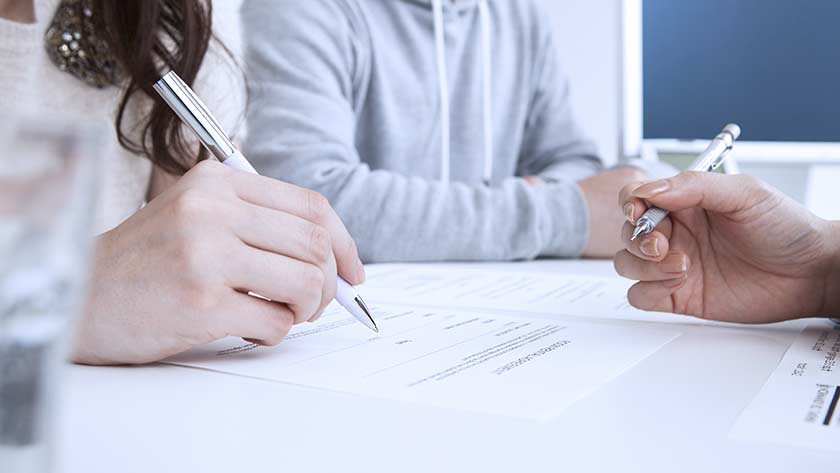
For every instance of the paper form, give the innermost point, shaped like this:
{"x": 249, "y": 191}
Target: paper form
{"x": 800, "y": 404}
{"x": 535, "y": 293}
{"x": 520, "y": 367}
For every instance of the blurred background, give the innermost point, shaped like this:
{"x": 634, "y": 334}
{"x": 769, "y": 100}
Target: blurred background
{"x": 650, "y": 80}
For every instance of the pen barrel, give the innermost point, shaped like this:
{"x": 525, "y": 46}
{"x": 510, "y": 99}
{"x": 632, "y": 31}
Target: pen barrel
{"x": 237, "y": 161}
{"x": 710, "y": 156}
{"x": 653, "y": 217}
{"x": 345, "y": 293}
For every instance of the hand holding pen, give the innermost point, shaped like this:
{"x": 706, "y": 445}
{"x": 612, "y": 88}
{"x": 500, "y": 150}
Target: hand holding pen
{"x": 730, "y": 248}
{"x": 710, "y": 160}
{"x": 174, "y": 275}
{"x": 195, "y": 114}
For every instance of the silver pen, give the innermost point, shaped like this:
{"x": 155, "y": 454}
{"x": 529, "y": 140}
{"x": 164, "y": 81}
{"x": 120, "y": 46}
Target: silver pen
{"x": 192, "y": 111}
{"x": 708, "y": 161}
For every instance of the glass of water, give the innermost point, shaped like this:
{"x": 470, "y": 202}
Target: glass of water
{"x": 48, "y": 177}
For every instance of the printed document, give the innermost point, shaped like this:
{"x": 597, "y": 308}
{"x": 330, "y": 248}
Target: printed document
{"x": 535, "y": 293}
{"x": 799, "y": 404}
{"x": 462, "y": 359}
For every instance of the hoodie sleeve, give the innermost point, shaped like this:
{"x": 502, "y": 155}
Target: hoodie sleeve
{"x": 304, "y": 61}
{"x": 554, "y": 145}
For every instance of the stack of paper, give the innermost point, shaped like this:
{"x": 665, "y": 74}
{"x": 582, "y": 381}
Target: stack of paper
{"x": 467, "y": 360}
{"x": 456, "y": 352}
{"x": 799, "y": 405}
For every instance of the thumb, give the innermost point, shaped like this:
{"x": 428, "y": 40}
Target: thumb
{"x": 706, "y": 190}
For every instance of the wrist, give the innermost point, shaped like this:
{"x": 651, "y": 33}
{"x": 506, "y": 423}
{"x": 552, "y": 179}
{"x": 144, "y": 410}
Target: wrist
{"x": 832, "y": 284}
{"x": 86, "y": 347}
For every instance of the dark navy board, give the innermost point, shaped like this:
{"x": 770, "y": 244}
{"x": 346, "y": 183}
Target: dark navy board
{"x": 772, "y": 66}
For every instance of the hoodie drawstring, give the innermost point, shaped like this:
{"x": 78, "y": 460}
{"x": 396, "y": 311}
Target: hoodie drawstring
{"x": 487, "y": 85}
{"x": 443, "y": 85}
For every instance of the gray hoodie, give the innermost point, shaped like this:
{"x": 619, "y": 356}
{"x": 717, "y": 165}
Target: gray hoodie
{"x": 356, "y": 99}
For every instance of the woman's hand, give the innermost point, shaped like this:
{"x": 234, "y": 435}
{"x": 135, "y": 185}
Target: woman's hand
{"x": 177, "y": 273}
{"x": 733, "y": 250}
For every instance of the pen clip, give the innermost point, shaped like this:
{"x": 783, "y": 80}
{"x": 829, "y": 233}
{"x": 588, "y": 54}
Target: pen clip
{"x": 195, "y": 114}
{"x": 716, "y": 164}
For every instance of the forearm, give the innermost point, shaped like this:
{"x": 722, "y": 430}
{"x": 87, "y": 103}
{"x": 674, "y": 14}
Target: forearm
{"x": 396, "y": 218}
{"x": 570, "y": 170}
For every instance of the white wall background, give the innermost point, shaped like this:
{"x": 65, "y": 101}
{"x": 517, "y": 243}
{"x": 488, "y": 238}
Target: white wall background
{"x": 588, "y": 35}
{"x": 588, "y": 38}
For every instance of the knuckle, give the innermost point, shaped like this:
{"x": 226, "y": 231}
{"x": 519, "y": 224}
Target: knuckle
{"x": 190, "y": 203}
{"x": 208, "y": 168}
{"x": 313, "y": 280}
{"x": 618, "y": 264}
{"x": 280, "y": 324}
{"x": 621, "y": 262}
{"x": 317, "y": 206}
{"x": 750, "y": 182}
{"x": 328, "y": 295}
{"x": 351, "y": 248}
{"x": 320, "y": 244}
{"x": 210, "y": 175}
{"x": 302, "y": 316}
{"x": 690, "y": 177}
{"x": 187, "y": 257}
{"x": 754, "y": 190}
{"x": 628, "y": 188}
{"x": 304, "y": 311}
{"x": 625, "y": 195}
{"x": 192, "y": 261}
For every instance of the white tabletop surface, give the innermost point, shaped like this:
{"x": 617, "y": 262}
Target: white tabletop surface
{"x": 671, "y": 413}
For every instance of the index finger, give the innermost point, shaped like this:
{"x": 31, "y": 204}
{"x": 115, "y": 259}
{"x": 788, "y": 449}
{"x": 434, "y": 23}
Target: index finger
{"x": 306, "y": 204}
{"x": 632, "y": 207}
{"x": 706, "y": 190}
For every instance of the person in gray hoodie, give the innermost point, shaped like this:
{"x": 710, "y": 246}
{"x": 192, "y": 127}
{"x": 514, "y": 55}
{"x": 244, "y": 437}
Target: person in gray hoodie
{"x": 438, "y": 129}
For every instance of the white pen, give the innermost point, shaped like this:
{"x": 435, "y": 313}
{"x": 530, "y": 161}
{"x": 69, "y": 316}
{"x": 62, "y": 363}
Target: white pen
{"x": 708, "y": 161}
{"x": 192, "y": 111}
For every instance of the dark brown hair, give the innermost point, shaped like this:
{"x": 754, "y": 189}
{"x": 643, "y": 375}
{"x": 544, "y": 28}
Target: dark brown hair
{"x": 147, "y": 39}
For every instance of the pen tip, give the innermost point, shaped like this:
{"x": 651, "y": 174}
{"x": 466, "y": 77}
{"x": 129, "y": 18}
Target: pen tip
{"x": 372, "y": 325}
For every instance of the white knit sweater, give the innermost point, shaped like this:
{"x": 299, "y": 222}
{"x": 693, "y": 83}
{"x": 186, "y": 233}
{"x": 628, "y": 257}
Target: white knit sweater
{"x": 30, "y": 83}
{"x": 18, "y": 49}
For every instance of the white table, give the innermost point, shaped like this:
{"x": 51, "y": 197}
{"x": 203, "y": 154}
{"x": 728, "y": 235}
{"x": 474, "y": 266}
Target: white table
{"x": 672, "y": 413}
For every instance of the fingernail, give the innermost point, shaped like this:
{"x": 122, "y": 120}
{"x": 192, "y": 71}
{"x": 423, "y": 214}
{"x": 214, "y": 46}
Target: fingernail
{"x": 629, "y": 210}
{"x": 674, "y": 263}
{"x": 674, "y": 283}
{"x": 652, "y": 189}
{"x": 650, "y": 247}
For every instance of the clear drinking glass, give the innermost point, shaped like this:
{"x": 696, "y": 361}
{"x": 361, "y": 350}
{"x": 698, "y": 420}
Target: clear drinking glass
{"x": 48, "y": 177}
